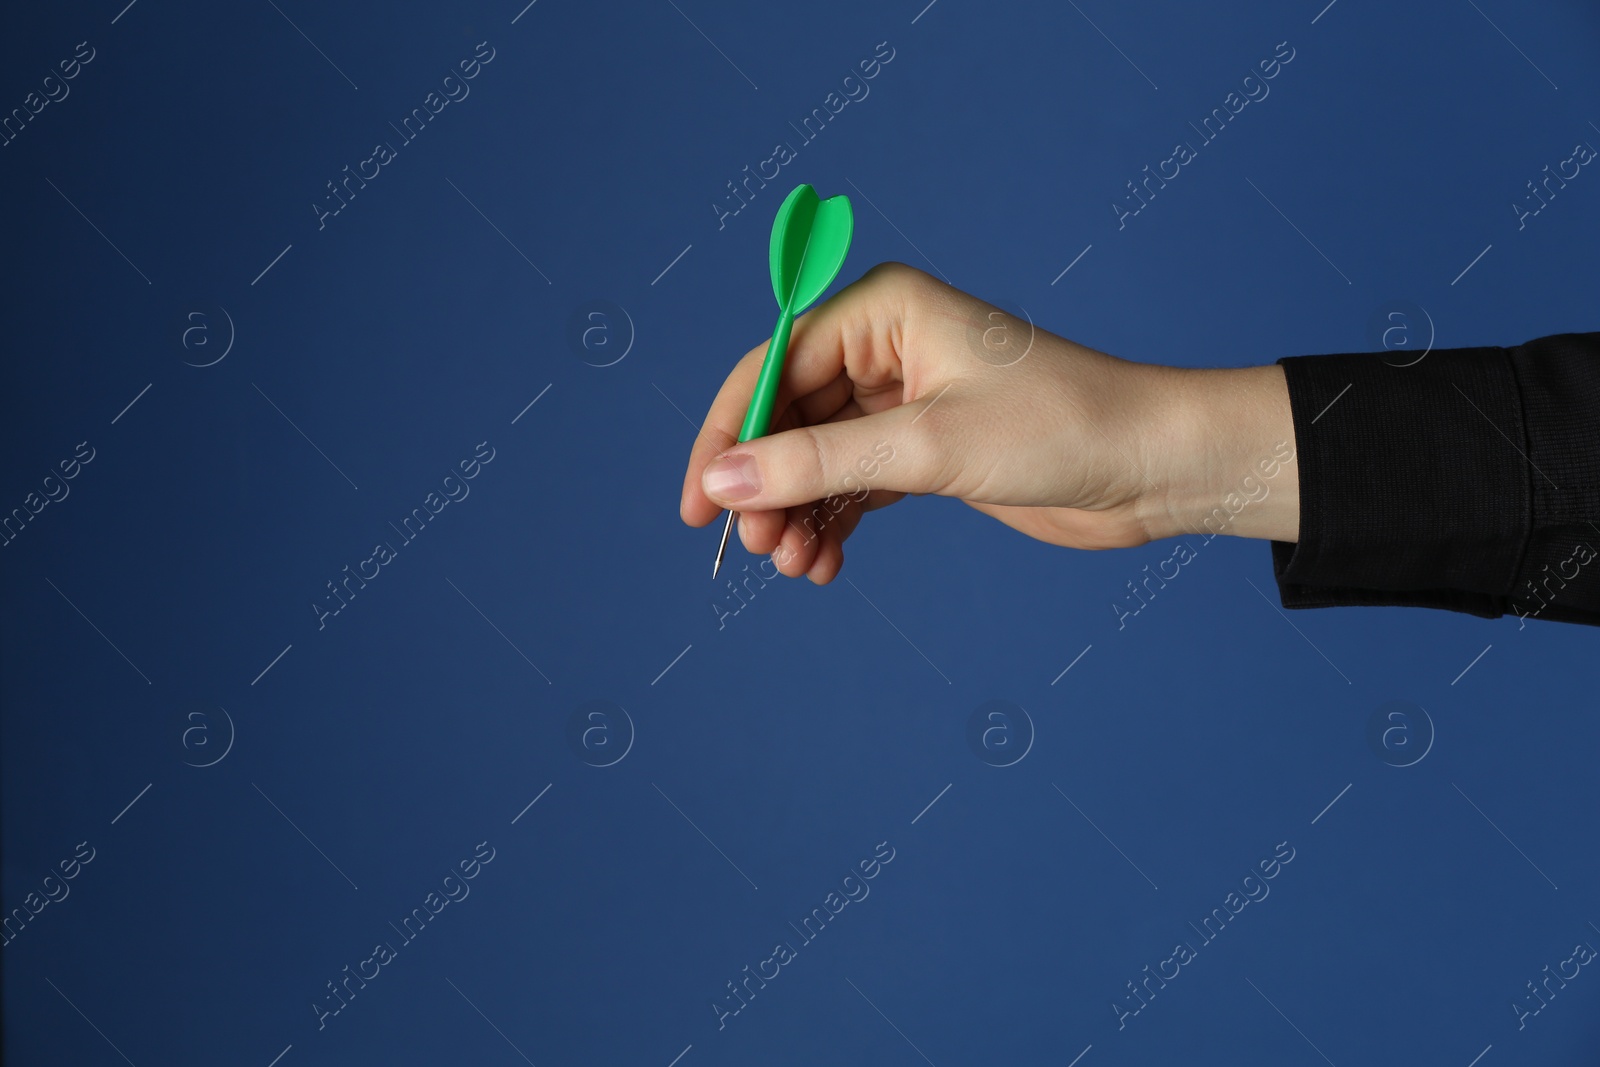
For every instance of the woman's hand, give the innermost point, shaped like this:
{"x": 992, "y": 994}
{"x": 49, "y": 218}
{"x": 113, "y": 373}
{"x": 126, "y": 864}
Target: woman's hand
{"x": 902, "y": 384}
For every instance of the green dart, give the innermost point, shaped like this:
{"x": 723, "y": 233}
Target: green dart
{"x": 810, "y": 238}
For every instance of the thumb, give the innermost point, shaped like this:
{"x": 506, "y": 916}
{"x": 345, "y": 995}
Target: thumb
{"x": 848, "y": 457}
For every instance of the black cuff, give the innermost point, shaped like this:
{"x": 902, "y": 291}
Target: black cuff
{"x": 1414, "y": 486}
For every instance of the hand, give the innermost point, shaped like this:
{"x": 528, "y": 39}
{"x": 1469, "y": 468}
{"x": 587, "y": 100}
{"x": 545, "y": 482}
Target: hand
{"x": 902, "y": 384}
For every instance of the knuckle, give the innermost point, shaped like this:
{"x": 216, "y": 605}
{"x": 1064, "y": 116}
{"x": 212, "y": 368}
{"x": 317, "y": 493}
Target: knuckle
{"x": 901, "y": 278}
{"x": 888, "y": 271}
{"x": 811, "y": 460}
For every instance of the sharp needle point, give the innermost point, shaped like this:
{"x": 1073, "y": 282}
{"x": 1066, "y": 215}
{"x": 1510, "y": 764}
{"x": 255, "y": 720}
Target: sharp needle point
{"x": 727, "y": 528}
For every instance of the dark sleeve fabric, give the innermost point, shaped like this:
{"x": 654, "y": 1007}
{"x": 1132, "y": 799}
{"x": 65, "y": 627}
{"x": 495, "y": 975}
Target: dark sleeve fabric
{"x": 1468, "y": 480}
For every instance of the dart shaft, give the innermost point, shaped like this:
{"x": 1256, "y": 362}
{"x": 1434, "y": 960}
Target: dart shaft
{"x": 758, "y": 417}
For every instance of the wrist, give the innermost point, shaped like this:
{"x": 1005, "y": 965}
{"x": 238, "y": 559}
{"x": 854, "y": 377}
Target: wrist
{"x": 1224, "y": 455}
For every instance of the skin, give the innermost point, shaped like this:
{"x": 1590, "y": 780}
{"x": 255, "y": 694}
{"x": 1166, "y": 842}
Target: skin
{"x": 1060, "y": 442}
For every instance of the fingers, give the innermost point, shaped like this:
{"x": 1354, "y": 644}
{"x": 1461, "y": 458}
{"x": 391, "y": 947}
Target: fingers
{"x": 882, "y": 451}
{"x": 811, "y": 539}
{"x": 847, "y": 346}
{"x": 813, "y": 543}
{"x": 760, "y": 530}
{"x": 840, "y": 421}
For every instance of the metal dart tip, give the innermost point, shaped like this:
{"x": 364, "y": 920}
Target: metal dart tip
{"x": 727, "y": 528}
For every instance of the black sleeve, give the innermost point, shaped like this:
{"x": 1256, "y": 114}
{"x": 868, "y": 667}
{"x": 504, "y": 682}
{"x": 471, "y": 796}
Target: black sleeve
{"x": 1468, "y": 480}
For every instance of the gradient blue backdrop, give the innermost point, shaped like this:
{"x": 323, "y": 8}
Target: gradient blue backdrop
{"x": 161, "y": 611}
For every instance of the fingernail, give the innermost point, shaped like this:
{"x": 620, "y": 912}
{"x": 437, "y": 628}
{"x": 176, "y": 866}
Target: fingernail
{"x": 732, "y": 478}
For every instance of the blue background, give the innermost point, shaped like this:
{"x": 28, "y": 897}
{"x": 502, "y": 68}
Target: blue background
{"x": 767, "y": 752}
